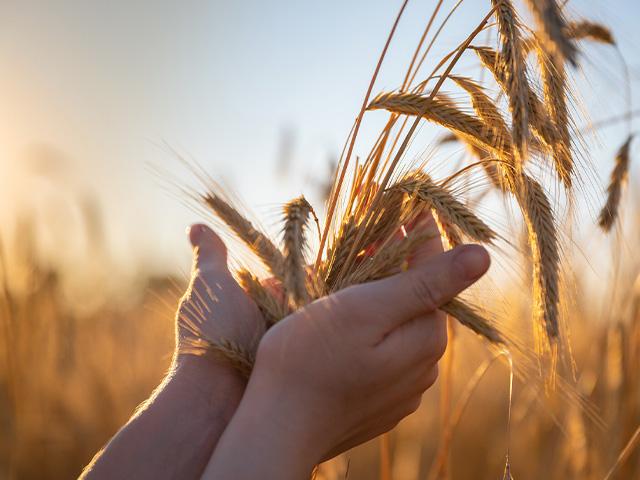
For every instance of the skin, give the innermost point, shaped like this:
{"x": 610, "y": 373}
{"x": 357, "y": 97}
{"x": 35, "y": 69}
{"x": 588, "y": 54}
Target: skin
{"x": 335, "y": 374}
{"x": 344, "y": 369}
{"x": 174, "y": 432}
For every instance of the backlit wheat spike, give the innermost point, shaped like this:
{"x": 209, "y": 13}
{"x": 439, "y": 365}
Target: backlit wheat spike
{"x": 443, "y": 112}
{"x": 552, "y": 29}
{"x": 271, "y": 309}
{"x": 538, "y": 118}
{"x": 236, "y": 355}
{"x": 446, "y": 205}
{"x": 470, "y": 318}
{"x": 587, "y": 30}
{"x": 580, "y": 30}
{"x": 557, "y": 143}
{"x": 338, "y": 251}
{"x": 257, "y": 241}
{"x": 609, "y": 212}
{"x": 484, "y": 156}
{"x": 554, "y": 83}
{"x": 449, "y": 232}
{"x": 296, "y": 217}
{"x": 545, "y": 254}
{"x": 484, "y": 106}
{"x": 513, "y": 69}
{"x": 388, "y": 259}
{"x": 386, "y": 223}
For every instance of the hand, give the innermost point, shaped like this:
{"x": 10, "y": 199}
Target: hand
{"x": 215, "y": 307}
{"x": 346, "y": 368}
{"x": 180, "y": 424}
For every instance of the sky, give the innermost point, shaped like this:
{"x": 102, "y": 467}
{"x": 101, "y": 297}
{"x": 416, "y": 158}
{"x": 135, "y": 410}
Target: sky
{"x": 96, "y": 97}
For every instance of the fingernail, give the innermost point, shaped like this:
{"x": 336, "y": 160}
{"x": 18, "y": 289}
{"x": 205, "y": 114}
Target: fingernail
{"x": 472, "y": 260}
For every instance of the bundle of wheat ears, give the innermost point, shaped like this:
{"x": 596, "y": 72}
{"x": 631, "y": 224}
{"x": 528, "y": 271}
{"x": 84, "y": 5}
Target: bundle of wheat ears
{"x": 529, "y": 121}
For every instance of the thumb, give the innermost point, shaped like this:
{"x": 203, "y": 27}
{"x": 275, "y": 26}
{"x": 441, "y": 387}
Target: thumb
{"x": 209, "y": 251}
{"x": 426, "y": 286}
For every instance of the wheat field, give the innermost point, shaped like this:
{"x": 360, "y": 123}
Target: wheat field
{"x": 539, "y": 377}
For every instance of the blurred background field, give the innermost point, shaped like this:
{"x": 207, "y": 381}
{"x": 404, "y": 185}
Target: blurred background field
{"x": 94, "y": 259}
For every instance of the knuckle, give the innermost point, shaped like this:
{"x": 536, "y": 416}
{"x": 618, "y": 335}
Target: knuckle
{"x": 425, "y": 291}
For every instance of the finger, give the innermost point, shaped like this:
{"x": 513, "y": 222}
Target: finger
{"x": 390, "y": 302}
{"x": 209, "y": 251}
{"x": 420, "y": 341}
{"x": 432, "y": 246}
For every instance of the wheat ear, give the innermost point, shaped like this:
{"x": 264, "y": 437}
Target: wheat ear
{"x": 553, "y": 29}
{"x": 443, "y": 111}
{"x": 545, "y": 253}
{"x": 513, "y": 69}
{"x": 541, "y": 123}
{"x": 554, "y": 82}
{"x": 449, "y": 209}
{"x": 257, "y": 241}
{"x": 449, "y": 232}
{"x": 237, "y": 356}
{"x": 296, "y": 217}
{"x": 588, "y": 30}
{"x": 609, "y": 212}
{"x": 470, "y": 318}
{"x": 269, "y": 306}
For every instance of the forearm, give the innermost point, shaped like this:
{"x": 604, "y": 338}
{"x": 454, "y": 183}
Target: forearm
{"x": 268, "y": 438}
{"x": 174, "y": 433}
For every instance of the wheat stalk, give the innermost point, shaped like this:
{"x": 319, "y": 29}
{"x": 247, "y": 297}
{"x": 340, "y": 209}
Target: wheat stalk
{"x": 257, "y": 241}
{"x": 609, "y": 212}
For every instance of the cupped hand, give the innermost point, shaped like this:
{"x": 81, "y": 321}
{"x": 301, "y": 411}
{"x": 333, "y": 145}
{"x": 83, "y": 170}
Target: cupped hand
{"x": 349, "y": 366}
{"x": 214, "y": 306}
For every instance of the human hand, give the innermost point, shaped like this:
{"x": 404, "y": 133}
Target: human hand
{"x": 347, "y": 367}
{"x": 214, "y": 306}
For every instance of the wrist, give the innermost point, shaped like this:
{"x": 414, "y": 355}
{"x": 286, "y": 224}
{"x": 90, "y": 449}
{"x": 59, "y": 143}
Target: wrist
{"x": 275, "y": 437}
{"x": 206, "y": 378}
